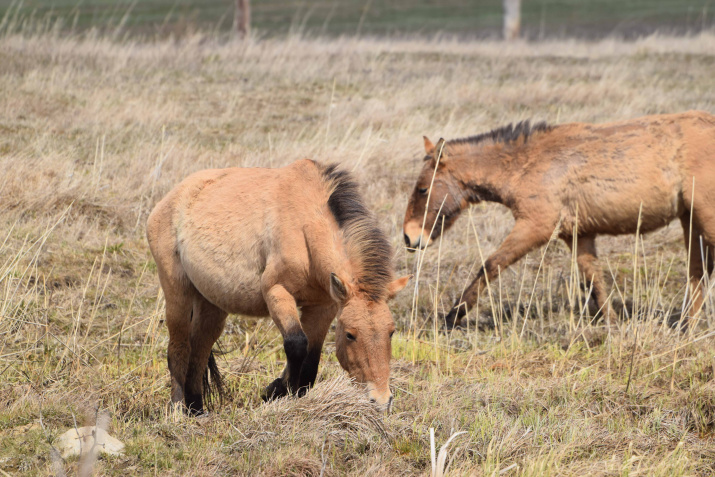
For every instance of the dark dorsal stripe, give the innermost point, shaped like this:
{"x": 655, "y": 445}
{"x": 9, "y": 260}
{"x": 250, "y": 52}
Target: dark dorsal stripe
{"x": 360, "y": 228}
{"x": 506, "y": 134}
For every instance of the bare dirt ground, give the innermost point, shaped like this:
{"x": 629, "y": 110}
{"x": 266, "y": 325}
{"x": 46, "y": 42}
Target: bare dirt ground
{"x": 94, "y": 131}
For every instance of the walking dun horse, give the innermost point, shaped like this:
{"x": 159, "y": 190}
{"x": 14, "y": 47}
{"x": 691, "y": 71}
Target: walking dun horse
{"x": 575, "y": 180}
{"x": 272, "y": 241}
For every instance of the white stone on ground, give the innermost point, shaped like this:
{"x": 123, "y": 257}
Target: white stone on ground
{"x": 81, "y": 441}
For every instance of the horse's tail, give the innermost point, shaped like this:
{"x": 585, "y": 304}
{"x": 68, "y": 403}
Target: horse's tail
{"x": 213, "y": 382}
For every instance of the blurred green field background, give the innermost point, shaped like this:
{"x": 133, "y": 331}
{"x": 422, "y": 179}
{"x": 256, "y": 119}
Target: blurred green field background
{"x": 468, "y": 19}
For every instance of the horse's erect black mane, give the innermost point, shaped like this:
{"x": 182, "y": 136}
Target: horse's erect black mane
{"x": 506, "y": 134}
{"x": 361, "y": 230}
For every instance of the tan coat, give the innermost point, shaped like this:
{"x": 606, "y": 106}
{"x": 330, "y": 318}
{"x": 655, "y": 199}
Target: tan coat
{"x": 582, "y": 179}
{"x": 294, "y": 243}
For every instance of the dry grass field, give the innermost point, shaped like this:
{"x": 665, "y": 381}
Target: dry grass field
{"x": 93, "y": 132}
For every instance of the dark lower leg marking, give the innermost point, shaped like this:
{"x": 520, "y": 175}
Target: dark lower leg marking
{"x": 296, "y": 348}
{"x": 193, "y": 395}
{"x": 295, "y": 345}
{"x": 212, "y": 383}
{"x": 309, "y": 371}
{"x": 194, "y": 403}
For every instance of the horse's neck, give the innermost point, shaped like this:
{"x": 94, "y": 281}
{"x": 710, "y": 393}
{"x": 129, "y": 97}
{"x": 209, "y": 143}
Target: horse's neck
{"x": 328, "y": 252}
{"x": 484, "y": 176}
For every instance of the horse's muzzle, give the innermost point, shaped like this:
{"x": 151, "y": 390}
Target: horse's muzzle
{"x": 408, "y": 244}
{"x": 384, "y": 399}
{"x": 417, "y": 245}
{"x": 416, "y": 238}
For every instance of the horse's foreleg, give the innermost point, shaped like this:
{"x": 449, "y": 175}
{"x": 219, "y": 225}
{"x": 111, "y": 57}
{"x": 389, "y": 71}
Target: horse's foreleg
{"x": 316, "y": 322}
{"x": 524, "y": 237}
{"x": 284, "y": 312}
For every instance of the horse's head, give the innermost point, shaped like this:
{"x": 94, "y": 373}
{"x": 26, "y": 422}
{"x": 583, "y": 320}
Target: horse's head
{"x": 436, "y": 200}
{"x": 363, "y": 337}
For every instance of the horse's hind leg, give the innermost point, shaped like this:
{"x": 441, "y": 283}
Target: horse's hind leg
{"x": 207, "y": 324}
{"x": 587, "y": 261}
{"x": 706, "y": 224}
{"x": 700, "y": 243}
{"x": 178, "y": 293}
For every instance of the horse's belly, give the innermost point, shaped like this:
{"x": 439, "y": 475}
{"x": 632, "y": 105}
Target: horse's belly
{"x": 237, "y": 293}
{"x": 227, "y": 276}
{"x": 627, "y": 214}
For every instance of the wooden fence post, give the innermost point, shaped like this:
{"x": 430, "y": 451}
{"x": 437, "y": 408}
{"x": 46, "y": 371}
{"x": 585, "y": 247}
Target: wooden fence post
{"x": 242, "y": 18}
{"x": 512, "y": 19}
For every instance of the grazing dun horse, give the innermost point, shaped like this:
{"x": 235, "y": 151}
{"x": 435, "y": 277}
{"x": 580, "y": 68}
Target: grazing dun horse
{"x": 575, "y": 179}
{"x": 274, "y": 241}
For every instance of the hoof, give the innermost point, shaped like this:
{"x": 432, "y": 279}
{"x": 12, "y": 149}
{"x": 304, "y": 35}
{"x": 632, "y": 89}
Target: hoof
{"x": 194, "y": 405}
{"x": 453, "y": 326}
{"x": 591, "y": 336}
{"x": 453, "y": 319}
{"x": 277, "y": 389}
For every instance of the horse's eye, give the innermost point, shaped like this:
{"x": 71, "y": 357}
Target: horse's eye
{"x": 350, "y": 337}
{"x": 392, "y": 333}
{"x": 422, "y": 190}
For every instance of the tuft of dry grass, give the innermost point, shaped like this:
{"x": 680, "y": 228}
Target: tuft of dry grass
{"x": 337, "y": 407}
{"x": 95, "y": 130}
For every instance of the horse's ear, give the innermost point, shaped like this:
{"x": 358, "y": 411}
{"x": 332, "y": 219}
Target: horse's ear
{"x": 429, "y": 147}
{"x": 439, "y": 150}
{"x": 338, "y": 290}
{"x": 396, "y": 286}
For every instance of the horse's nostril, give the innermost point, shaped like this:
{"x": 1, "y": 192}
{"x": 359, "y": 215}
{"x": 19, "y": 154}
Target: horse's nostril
{"x": 407, "y": 240}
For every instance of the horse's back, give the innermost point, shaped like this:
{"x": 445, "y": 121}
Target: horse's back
{"x": 223, "y": 227}
{"x": 612, "y": 175}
